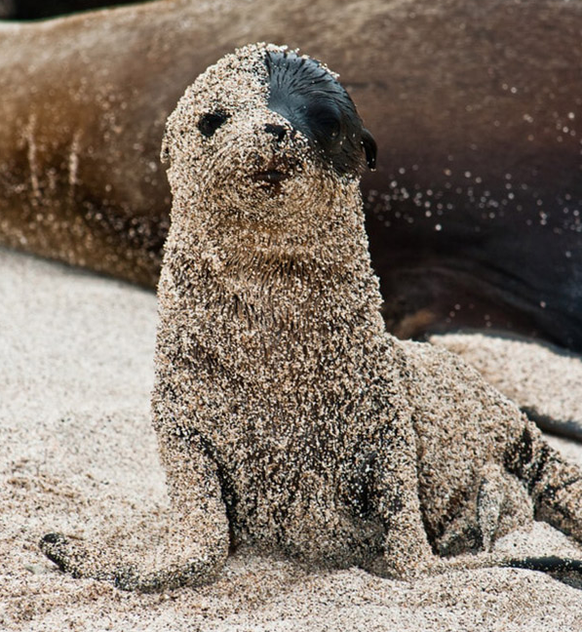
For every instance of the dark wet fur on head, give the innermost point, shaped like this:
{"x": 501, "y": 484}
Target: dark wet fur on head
{"x": 316, "y": 104}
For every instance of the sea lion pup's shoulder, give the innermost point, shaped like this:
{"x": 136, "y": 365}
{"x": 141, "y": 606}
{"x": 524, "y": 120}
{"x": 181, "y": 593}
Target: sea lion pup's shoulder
{"x": 286, "y": 416}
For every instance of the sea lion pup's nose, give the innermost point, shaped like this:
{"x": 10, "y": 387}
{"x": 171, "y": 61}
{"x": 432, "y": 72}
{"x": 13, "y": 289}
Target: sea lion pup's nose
{"x": 278, "y": 131}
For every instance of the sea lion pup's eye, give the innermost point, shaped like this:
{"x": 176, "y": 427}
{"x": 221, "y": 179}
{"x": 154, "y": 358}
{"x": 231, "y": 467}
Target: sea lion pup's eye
{"x": 327, "y": 121}
{"x": 210, "y": 122}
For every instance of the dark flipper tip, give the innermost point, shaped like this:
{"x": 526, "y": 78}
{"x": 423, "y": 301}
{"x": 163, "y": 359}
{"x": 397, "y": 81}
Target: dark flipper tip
{"x": 550, "y": 564}
{"x": 564, "y": 569}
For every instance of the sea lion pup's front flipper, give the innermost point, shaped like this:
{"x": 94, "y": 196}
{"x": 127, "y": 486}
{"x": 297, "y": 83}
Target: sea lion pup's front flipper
{"x": 197, "y": 539}
{"x": 407, "y": 553}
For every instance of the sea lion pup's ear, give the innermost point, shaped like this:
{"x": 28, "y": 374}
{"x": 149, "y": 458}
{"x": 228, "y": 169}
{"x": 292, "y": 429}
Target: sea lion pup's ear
{"x": 165, "y": 151}
{"x": 370, "y": 148}
{"x": 171, "y": 131}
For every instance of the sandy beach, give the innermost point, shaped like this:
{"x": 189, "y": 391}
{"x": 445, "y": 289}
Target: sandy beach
{"x": 78, "y": 455}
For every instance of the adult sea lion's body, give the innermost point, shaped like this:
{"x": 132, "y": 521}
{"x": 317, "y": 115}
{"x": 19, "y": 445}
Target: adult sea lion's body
{"x": 33, "y": 10}
{"x": 473, "y": 212}
{"x": 287, "y": 417}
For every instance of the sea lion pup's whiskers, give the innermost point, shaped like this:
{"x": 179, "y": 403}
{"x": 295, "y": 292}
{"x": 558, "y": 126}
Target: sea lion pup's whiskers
{"x": 286, "y": 416}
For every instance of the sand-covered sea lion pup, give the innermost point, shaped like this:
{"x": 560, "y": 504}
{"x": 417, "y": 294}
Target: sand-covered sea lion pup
{"x": 287, "y": 416}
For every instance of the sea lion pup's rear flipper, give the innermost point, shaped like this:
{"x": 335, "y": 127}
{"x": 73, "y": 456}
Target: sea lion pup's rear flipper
{"x": 197, "y": 538}
{"x": 554, "y": 485}
{"x": 408, "y": 554}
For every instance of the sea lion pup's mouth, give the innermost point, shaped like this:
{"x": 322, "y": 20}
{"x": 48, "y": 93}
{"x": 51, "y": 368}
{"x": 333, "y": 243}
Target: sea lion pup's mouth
{"x": 274, "y": 172}
{"x": 270, "y": 176}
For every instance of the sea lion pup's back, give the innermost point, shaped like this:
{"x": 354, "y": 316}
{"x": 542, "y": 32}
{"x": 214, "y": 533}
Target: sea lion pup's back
{"x": 286, "y": 416}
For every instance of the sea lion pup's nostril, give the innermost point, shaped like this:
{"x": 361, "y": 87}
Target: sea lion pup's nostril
{"x": 278, "y": 131}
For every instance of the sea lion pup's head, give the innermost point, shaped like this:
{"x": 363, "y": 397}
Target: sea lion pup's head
{"x": 264, "y": 139}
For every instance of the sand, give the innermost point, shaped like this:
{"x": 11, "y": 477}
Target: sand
{"x": 78, "y": 455}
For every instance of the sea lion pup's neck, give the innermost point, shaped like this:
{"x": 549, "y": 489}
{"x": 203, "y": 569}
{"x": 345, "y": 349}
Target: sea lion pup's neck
{"x": 275, "y": 275}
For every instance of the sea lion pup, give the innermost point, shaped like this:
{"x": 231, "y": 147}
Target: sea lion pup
{"x": 287, "y": 417}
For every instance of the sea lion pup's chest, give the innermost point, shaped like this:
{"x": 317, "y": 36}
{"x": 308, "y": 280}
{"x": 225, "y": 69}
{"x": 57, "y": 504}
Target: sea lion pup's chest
{"x": 289, "y": 402}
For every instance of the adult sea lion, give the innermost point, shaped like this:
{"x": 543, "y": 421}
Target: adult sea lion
{"x": 474, "y": 210}
{"x": 287, "y": 417}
